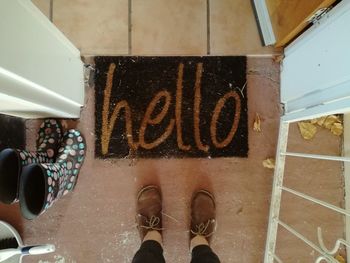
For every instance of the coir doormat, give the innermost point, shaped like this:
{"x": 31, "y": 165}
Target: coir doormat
{"x": 161, "y": 107}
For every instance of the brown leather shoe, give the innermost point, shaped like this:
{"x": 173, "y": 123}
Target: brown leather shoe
{"x": 203, "y": 215}
{"x": 149, "y": 210}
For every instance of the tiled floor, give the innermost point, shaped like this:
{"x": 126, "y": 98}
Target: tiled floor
{"x": 169, "y": 27}
{"x": 158, "y": 27}
{"x": 233, "y": 29}
{"x": 95, "y": 27}
{"x": 44, "y": 6}
{"x": 96, "y": 223}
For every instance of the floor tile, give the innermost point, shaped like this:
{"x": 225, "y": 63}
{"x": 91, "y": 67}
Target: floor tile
{"x": 95, "y": 27}
{"x": 44, "y": 6}
{"x": 169, "y": 27}
{"x": 233, "y": 29}
{"x": 96, "y": 222}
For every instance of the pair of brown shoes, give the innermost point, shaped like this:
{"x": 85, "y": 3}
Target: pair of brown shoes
{"x": 149, "y": 212}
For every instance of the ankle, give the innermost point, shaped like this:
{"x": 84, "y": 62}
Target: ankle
{"x": 198, "y": 241}
{"x": 153, "y": 235}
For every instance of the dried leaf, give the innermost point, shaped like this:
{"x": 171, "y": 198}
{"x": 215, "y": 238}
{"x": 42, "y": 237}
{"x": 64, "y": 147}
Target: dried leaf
{"x": 337, "y": 129}
{"x": 340, "y": 259}
{"x": 329, "y": 121}
{"x": 313, "y": 121}
{"x": 321, "y": 120}
{"x": 278, "y": 58}
{"x": 269, "y": 163}
{"x": 307, "y": 130}
{"x": 64, "y": 124}
{"x": 257, "y": 123}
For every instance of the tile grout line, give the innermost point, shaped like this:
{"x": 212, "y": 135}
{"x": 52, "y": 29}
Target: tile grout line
{"x": 208, "y": 27}
{"x": 51, "y": 11}
{"x": 129, "y": 27}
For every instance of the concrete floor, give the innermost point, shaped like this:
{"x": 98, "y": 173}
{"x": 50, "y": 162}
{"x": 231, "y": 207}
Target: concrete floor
{"x": 317, "y": 178}
{"x": 96, "y": 222}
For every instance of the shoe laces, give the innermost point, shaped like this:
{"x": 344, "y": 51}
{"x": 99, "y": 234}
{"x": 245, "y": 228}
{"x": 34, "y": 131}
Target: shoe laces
{"x": 201, "y": 229}
{"x": 152, "y": 223}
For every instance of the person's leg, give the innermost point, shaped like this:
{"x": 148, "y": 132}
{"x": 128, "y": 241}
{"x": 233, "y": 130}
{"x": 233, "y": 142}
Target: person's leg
{"x": 203, "y": 226}
{"x": 149, "y": 223}
{"x": 151, "y": 249}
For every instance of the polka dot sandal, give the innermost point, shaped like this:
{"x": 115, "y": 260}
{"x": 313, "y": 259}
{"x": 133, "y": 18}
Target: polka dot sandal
{"x": 13, "y": 160}
{"x": 43, "y": 184}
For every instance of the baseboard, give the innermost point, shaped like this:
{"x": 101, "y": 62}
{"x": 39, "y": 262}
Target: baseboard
{"x": 264, "y": 23}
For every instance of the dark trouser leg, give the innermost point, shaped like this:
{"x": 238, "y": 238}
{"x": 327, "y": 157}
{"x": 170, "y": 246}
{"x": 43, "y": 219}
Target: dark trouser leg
{"x": 149, "y": 252}
{"x": 204, "y": 254}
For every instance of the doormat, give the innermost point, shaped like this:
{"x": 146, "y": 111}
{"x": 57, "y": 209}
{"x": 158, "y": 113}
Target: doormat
{"x": 162, "y": 107}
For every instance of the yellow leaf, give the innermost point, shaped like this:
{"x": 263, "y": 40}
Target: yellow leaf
{"x": 278, "y": 58}
{"x": 337, "y": 129}
{"x": 340, "y": 259}
{"x": 321, "y": 120}
{"x": 313, "y": 121}
{"x": 329, "y": 121}
{"x": 257, "y": 123}
{"x": 307, "y": 130}
{"x": 269, "y": 163}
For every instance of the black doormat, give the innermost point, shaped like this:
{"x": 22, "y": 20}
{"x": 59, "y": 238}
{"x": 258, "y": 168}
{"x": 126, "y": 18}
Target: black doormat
{"x": 12, "y": 132}
{"x": 161, "y": 107}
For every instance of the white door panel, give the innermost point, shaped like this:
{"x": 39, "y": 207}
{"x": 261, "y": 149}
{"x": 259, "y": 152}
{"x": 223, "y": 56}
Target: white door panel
{"x": 316, "y": 67}
{"x": 38, "y": 64}
{"x": 315, "y": 81}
